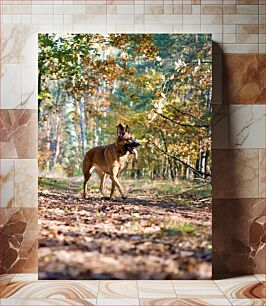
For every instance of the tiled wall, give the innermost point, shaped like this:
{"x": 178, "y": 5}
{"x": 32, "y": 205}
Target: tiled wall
{"x": 238, "y": 29}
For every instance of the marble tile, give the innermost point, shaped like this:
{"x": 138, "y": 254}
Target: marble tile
{"x": 19, "y": 240}
{"x": 243, "y": 79}
{"x": 248, "y": 29}
{"x": 96, "y": 9}
{"x": 7, "y": 19}
{"x": 184, "y": 302}
{"x": 197, "y": 289}
{"x": 156, "y": 289}
{"x": 151, "y": 9}
{"x": 235, "y": 173}
{"x": 211, "y": 9}
{"x": 25, "y": 277}
{"x": 7, "y": 183}
{"x": 187, "y": 9}
{"x": 5, "y": 279}
{"x": 247, "y": 38}
{"x": 139, "y": 19}
{"x": 217, "y": 38}
{"x": 216, "y": 2}
{"x": 262, "y": 49}
{"x": 125, "y": 28}
{"x": 6, "y": 9}
{"x": 111, "y": 9}
{"x": 48, "y": 302}
{"x": 18, "y": 43}
{"x": 260, "y": 277}
{"x": 248, "y": 302}
{"x": 191, "y": 28}
{"x": 42, "y": 9}
{"x": 240, "y": 19}
{"x": 262, "y": 38}
{"x": 29, "y": 85}
{"x": 229, "y": 28}
{"x": 178, "y": 9}
{"x": 195, "y": 8}
{"x": 158, "y": 28}
{"x": 262, "y": 9}
{"x": 208, "y": 28}
{"x": 18, "y": 129}
{"x": 19, "y": 183}
{"x": 229, "y": 9}
{"x": 247, "y": 126}
{"x": 118, "y": 290}
{"x": 262, "y": 174}
{"x": 229, "y": 38}
{"x": 163, "y": 19}
{"x": 168, "y": 8}
{"x": 11, "y": 82}
{"x": 242, "y": 287}
{"x": 239, "y": 237}
{"x": 120, "y": 19}
{"x": 26, "y": 183}
{"x": 51, "y": 290}
{"x": 117, "y": 302}
{"x": 191, "y": 19}
{"x": 42, "y": 19}
{"x": 247, "y": 2}
{"x": 212, "y": 19}
{"x": 247, "y": 9}
{"x": 240, "y": 49}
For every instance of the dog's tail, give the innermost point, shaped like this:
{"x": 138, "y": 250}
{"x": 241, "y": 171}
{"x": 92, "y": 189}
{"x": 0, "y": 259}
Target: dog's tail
{"x": 87, "y": 163}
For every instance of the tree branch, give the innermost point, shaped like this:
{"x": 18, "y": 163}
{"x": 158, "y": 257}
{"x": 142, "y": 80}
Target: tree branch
{"x": 179, "y": 123}
{"x": 194, "y": 170}
{"x": 206, "y": 124}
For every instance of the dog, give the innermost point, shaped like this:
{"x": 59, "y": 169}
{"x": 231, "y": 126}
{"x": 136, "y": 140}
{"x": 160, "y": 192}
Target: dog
{"x": 110, "y": 159}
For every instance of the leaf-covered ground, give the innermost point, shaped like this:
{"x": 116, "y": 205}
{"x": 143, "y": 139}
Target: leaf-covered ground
{"x": 161, "y": 231}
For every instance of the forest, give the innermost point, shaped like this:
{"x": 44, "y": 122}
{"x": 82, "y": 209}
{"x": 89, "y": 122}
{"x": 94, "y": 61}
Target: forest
{"x": 161, "y": 86}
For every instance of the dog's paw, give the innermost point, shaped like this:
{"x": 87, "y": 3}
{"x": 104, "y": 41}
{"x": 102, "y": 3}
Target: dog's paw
{"x": 109, "y": 198}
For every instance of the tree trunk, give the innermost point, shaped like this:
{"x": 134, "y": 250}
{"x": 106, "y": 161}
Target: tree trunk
{"x": 82, "y": 126}
{"x": 39, "y": 90}
{"x": 207, "y": 155}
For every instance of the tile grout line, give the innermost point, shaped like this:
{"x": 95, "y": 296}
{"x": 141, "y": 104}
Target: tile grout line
{"x": 98, "y": 289}
{"x": 221, "y": 291}
{"x": 138, "y": 285}
{"x": 174, "y": 290}
{"x": 258, "y": 174}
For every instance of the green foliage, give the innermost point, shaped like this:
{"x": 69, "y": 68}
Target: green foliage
{"x": 45, "y": 182}
{"x": 159, "y": 84}
{"x": 174, "y": 229}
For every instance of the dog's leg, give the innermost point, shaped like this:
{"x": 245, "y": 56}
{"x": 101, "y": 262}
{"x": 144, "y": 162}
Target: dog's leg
{"x": 118, "y": 185}
{"x": 112, "y": 190}
{"x": 86, "y": 178}
{"x": 102, "y": 177}
{"x": 102, "y": 184}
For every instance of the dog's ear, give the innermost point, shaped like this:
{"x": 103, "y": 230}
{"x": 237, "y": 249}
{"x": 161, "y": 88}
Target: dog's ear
{"x": 120, "y": 129}
{"x": 127, "y": 129}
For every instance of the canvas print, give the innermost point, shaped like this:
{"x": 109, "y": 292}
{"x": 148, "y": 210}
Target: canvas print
{"x": 125, "y": 156}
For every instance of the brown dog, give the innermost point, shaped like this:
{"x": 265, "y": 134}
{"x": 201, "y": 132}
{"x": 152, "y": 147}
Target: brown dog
{"x": 110, "y": 159}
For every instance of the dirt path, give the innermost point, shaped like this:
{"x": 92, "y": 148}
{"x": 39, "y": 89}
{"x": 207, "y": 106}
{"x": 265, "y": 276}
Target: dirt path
{"x": 137, "y": 238}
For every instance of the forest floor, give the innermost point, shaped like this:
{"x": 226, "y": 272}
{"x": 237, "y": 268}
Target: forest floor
{"x": 161, "y": 231}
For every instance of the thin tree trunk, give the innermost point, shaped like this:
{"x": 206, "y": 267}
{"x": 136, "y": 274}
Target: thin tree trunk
{"x": 82, "y": 126}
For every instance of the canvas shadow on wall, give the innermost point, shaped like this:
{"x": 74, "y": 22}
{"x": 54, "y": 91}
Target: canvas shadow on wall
{"x": 160, "y": 86}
